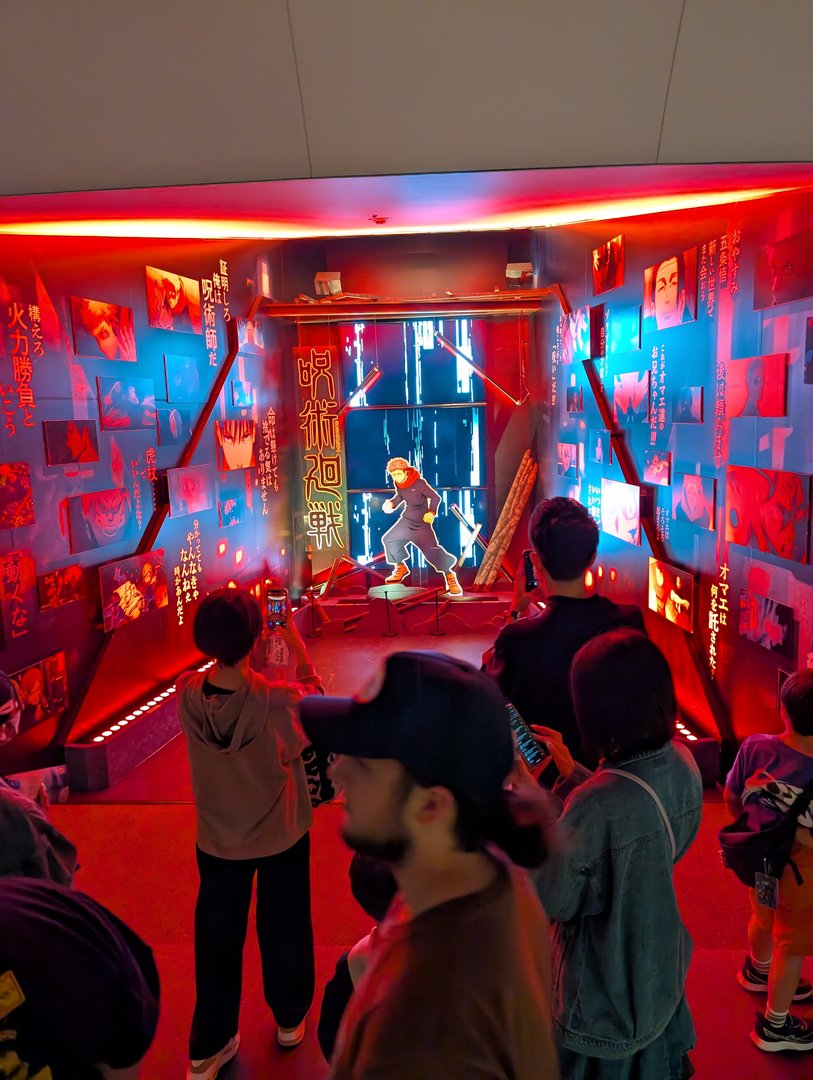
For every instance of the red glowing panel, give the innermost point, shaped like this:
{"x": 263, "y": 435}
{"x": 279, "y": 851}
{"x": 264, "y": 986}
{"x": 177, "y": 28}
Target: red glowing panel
{"x": 235, "y": 444}
{"x": 133, "y": 588}
{"x": 671, "y": 594}
{"x": 784, "y": 271}
{"x": 173, "y": 302}
{"x": 191, "y": 490}
{"x": 608, "y": 265}
{"x": 631, "y": 397}
{"x": 756, "y": 386}
{"x": 69, "y": 442}
{"x": 767, "y": 623}
{"x": 99, "y": 518}
{"x": 102, "y": 330}
{"x": 657, "y": 467}
{"x": 769, "y": 511}
{"x": 126, "y": 403}
{"x": 16, "y": 496}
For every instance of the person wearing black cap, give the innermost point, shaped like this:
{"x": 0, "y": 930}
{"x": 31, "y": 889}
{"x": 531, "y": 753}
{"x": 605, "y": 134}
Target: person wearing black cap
{"x": 458, "y": 981}
{"x": 531, "y": 658}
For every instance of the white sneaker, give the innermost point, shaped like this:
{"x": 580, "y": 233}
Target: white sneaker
{"x": 209, "y": 1068}
{"x": 288, "y": 1038}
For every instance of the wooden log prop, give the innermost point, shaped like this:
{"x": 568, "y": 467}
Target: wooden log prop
{"x": 510, "y": 514}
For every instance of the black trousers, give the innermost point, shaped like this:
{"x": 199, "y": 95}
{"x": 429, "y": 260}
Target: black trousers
{"x": 284, "y": 933}
{"x": 404, "y": 532}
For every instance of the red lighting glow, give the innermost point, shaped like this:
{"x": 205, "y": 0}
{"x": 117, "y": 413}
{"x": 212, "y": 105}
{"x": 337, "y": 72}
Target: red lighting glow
{"x": 282, "y": 552}
{"x": 599, "y": 572}
{"x": 222, "y": 548}
{"x": 588, "y": 579}
{"x": 238, "y": 556}
{"x": 613, "y": 573}
{"x": 232, "y": 585}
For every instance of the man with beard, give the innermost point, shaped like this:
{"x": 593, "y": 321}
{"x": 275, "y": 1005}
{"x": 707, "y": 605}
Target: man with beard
{"x": 458, "y": 980}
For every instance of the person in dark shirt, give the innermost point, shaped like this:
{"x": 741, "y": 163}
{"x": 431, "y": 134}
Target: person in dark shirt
{"x": 79, "y": 990}
{"x": 414, "y": 526}
{"x": 531, "y": 658}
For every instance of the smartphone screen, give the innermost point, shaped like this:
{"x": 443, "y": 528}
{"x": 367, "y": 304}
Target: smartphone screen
{"x": 276, "y": 608}
{"x": 532, "y": 752}
{"x": 530, "y": 573}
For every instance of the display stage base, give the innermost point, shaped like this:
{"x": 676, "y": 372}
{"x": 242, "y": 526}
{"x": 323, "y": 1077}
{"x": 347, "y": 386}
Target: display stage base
{"x": 392, "y": 610}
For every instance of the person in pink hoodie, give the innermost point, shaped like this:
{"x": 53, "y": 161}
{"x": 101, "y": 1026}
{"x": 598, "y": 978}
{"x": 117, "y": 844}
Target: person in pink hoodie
{"x": 245, "y": 748}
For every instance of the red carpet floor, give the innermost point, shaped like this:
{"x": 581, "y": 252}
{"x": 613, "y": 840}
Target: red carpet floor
{"x": 136, "y": 845}
{"x": 138, "y": 859}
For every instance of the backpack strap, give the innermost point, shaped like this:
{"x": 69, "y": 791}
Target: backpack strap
{"x": 647, "y": 787}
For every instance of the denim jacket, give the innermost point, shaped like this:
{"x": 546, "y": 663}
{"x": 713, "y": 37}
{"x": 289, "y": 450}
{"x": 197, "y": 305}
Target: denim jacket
{"x": 620, "y": 949}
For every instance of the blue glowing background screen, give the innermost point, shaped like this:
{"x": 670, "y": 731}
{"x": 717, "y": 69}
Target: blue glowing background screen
{"x": 428, "y": 407}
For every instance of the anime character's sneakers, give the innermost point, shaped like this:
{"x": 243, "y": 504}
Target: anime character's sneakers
{"x": 399, "y": 573}
{"x": 288, "y": 1038}
{"x": 208, "y": 1068}
{"x": 794, "y": 1034}
{"x": 452, "y": 584}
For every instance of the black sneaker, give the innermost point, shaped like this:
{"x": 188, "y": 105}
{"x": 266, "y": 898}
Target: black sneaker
{"x": 794, "y": 1034}
{"x": 757, "y": 982}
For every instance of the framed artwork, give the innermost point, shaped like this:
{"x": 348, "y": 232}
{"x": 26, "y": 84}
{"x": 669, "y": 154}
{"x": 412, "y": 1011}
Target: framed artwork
{"x": 657, "y": 467}
{"x": 687, "y": 405}
{"x": 600, "y": 446}
{"x": 769, "y": 511}
{"x": 783, "y": 271}
{"x": 184, "y": 383}
{"x": 573, "y": 399}
{"x": 631, "y": 397}
{"x": 234, "y": 440}
{"x": 670, "y": 291}
{"x": 234, "y": 497}
{"x": 756, "y": 386}
{"x": 621, "y": 510}
{"x": 16, "y": 495}
{"x": 608, "y": 265}
{"x": 623, "y": 329}
{"x": 767, "y": 623}
{"x": 99, "y": 518}
{"x": 60, "y": 587}
{"x": 241, "y": 395}
{"x": 567, "y": 460}
{"x": 43, "y": 690}
{"x": 126, "y": 404}
{"x": 173, "y": 302}
{"x": 70, "y": 442}
{"x": 191, "y": 490}
{"x": 693, "y": 500}
{"x": 574, "y": 332}
{"x": 671, "y": 594}
{"x": 102, "y": 330}
{"x": 132, "y": 588}
{"x": 250, "y": 335}
{"x": 174, "y": 426}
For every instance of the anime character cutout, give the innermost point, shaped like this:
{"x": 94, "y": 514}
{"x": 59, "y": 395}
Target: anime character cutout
{"x": 420, "y": 503}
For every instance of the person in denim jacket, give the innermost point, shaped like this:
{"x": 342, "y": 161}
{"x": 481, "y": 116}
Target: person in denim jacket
{"x": 621, "y": 951}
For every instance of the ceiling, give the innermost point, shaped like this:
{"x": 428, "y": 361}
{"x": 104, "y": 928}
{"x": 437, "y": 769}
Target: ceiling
{"x": 448, "y": 202}
{"x": 143, "y": 93}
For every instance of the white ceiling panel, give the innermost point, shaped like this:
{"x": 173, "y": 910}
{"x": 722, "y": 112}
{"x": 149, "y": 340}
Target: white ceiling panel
{"x": 742, "y": 88}
{"x": 122, "y": 93}
{"x": 430, "y": 85}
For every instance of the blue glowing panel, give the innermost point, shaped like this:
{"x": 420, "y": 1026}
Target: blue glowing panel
{"x": 415, "y": 369}
{"x": 368, "y": 523}
{"x": 446, "y": 445}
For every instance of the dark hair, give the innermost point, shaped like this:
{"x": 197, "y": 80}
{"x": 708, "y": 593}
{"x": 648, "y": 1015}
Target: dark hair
{"x": 227, "y": 624}
{"x": 623, "y": 695}
{"x": 564, "y": 536}
{"x": 372, "y": 884}
{"x": 653, "y": 283}
{"x": 516, "y": 824}
{"x": 796, "y": 698}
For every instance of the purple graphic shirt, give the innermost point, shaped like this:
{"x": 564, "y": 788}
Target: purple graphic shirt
{"x": 767, "y": 776}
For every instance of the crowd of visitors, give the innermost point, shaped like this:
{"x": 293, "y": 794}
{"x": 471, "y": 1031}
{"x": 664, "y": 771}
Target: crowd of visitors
{"x": 526, "y": 922}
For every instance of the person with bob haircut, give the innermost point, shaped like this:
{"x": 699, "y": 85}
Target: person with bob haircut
{"x": 768, "y": 774}
{"x": 456, "y": 982}
{"x": 531, "y": 657}
{"x": 245, "y": 745}
{"x": 621, "y": 951}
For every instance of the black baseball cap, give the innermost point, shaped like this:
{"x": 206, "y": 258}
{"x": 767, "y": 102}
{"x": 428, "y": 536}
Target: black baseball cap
{"x": 441, "y": 718}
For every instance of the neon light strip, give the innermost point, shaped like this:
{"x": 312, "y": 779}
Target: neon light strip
{"x": 157, "y": 699}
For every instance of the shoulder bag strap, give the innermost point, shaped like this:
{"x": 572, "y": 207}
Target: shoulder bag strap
{"x": 655, "y": 796}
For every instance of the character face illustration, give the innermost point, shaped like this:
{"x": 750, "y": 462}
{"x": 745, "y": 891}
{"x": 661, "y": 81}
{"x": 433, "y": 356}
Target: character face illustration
{"x": 106, "y": 511}
{"x": 669, "y": 297}
{"x": 693, "y": 495}
{"x": 148, "y": 574}
{"x": 399, "y": 475}
{"x": 236, "y": 442}
{"x": 101, "y": 320}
